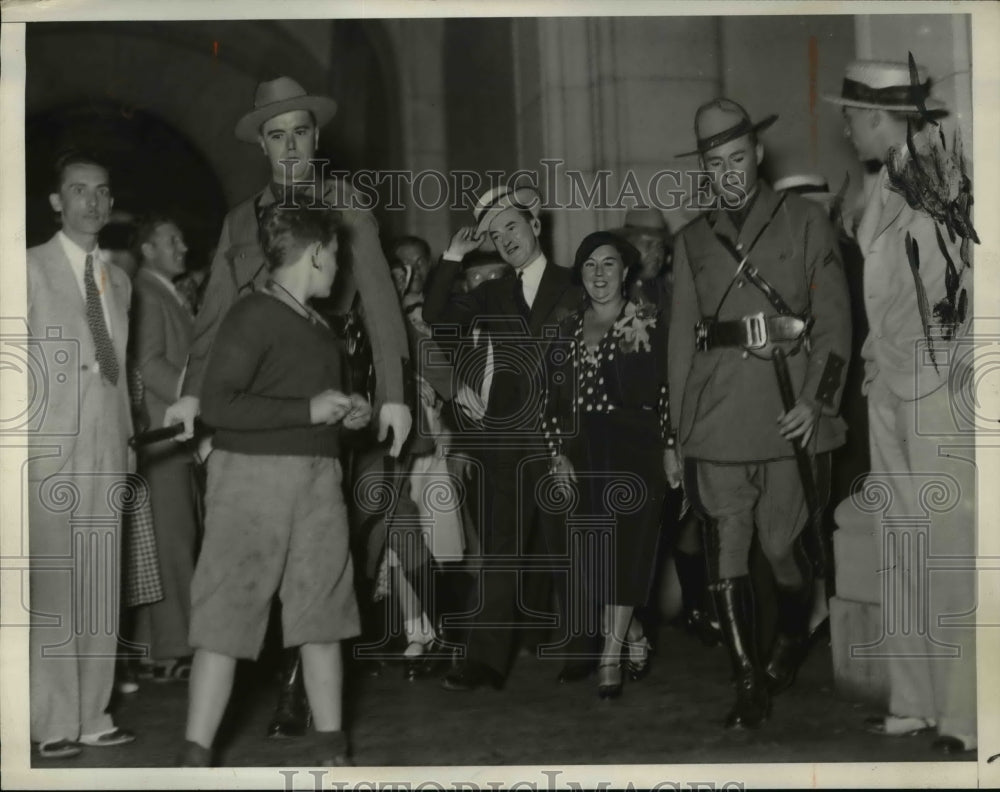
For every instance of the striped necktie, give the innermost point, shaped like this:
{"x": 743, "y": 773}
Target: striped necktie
{"x": 106, "y": 358}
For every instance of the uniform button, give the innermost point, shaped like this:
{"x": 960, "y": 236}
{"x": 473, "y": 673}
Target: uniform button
{"x": 83, "y": 367}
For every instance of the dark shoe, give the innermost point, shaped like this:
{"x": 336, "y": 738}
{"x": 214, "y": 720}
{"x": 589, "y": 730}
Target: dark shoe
{"x": 108, "y": 739}
{"x": 794, "y": 608}
{"x": 950, "y": 746}
{"x": 734, "y": 603}
{"x": 699, "y": 624}
{"x": 897, "y": 725}
{"x": 59, "y": 749}
{"x": 173, "y": 671}
{"x": 193, "y": 755}
{"x": 638, "y": 660}
{"x": 292, "y": 716}
{"x": 471, "y": 675}
{"x": 695, "y": 619}
{"x": 575, "y": 671}
{"x": 609, "y": 680}
{"x": 332, "y": 749}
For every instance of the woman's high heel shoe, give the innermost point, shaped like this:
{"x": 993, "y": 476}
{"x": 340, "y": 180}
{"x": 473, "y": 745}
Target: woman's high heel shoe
{"x": 639, "y": 654}
{"x": 609, "y": 680}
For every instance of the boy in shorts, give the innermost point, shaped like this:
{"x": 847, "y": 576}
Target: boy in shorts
{"x": 275, "y": 516}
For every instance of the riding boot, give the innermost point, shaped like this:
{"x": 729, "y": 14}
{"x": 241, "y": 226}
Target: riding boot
{"x": 696, "y": 615}
{"x": 734, "y": 603}
{"x": 292, "y": 715}
{"x": 794, "y": 609}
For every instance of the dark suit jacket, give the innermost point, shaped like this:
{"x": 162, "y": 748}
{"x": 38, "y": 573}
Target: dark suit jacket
{"x": 520, "y": 342}
{"x": 57, "y": 314}
{"x": 161, "y": 340}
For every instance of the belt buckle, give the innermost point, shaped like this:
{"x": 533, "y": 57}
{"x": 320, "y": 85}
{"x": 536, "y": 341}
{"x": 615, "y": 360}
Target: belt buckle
{"x": 701, "y": 336}
{"x": 756, "y": 330}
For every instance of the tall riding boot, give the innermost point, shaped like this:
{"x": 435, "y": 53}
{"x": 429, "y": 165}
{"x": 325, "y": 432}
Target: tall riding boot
{"x": 734, "y": 603}
{"x": 292, "y": 715}
{"x": 794, "y": 609}
{"x": 692, "y": 573}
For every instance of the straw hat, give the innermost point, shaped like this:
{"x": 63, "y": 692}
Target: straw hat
{"x": 885, "y": 85}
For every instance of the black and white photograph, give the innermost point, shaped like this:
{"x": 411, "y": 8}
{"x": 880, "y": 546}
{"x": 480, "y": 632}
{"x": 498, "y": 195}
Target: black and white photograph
{"x": 540, "y": 394}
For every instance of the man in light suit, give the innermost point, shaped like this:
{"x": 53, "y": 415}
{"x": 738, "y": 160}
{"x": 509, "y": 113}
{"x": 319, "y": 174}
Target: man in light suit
{"x": 77, "y": 475}
{"x": 512, "y": 312}
{"x": 917, "y": 283}
{"x": 161, "y": 339}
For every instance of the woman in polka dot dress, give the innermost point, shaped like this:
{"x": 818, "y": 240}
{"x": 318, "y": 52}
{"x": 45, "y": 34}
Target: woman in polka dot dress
{"x": 608, "y": 430}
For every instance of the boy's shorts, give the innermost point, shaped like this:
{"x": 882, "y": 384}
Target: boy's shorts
{"x": 272, "y": 524}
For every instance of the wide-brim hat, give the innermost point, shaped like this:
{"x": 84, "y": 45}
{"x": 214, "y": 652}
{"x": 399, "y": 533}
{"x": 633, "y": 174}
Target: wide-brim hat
{"x": 645, "y": 220}
{"x": 885, "y": 85}
{"x": 499, "y": 199}
{"x": 722, "y": 120}
{"x": 282, "y": 95}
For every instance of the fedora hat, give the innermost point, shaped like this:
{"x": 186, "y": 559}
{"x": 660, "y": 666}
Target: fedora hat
{"x": 885, "y": 85}
{"x": 498, "y": 199}
{"x": 720, "y": 121}
{"x": 281, "y": 96}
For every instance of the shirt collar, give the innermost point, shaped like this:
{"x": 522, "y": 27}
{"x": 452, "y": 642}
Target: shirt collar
{"x": 76, "y": 254}
{"x": 532, "y": 273}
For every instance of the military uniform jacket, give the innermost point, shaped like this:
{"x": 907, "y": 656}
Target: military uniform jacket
{"x": 238, "y": 268}
{"x": 725, "y": 406}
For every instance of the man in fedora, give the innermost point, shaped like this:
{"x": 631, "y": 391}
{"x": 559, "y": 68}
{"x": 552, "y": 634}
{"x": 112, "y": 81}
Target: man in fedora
{"x": 917, "y": 281}
{"x": 646, "y": 228}
{"x": 285, "y": 123}
{"x": 756, "y": 273}
{"x": 512, "y": 313}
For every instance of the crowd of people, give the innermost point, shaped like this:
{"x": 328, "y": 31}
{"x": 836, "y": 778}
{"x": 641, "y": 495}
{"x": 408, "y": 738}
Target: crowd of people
{"x": 353, "y": 434}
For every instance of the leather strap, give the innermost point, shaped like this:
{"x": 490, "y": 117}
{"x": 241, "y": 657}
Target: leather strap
{"x": 750, "y": 332}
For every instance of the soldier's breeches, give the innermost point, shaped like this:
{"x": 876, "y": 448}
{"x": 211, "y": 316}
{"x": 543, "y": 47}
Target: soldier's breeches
{"x": 736, "y": 497}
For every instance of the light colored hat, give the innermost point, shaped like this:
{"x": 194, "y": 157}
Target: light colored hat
{"x": 885, "y": 85}
{"x": 722, "y": 120}
{"x": 281, "y": 96}
{"x": 495, "y": 201}
{"x": 809, "y": 185}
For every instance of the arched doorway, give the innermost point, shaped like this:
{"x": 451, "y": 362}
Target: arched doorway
{"x": 153, "y": 168}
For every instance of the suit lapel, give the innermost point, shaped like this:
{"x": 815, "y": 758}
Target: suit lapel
{"x": 894, "y": 204}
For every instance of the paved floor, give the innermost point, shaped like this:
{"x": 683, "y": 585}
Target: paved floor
{"x": 671, "y": 717}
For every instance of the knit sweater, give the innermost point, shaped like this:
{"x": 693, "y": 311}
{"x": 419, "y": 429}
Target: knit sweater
{"x": 266, "y": 364}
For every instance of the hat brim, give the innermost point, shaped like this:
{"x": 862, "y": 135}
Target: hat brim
{"x": 931, "y": 105}
{"x": 760, "y": 126}
{"x": 483, "y": 226}
{"x": 626, "y": 231}
{"x": 322, "y": 107}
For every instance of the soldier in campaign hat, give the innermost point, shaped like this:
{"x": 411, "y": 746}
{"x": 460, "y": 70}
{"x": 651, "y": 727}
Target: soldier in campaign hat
{"x": 755, "y": 277}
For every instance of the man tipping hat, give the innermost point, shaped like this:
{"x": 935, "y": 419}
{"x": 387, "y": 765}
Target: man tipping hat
{"x": 511, "y": 312}
{"x": 758, "y": 276}
{"x": 284, "y": 121}
{"x": 913, "y": 233}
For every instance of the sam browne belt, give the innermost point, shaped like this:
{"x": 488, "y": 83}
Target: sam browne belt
{"x": 754, "y": 332}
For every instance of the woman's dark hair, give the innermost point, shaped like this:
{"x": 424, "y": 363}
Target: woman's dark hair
{"x": 286, "y": 232}
{"x": 630, "y": 256}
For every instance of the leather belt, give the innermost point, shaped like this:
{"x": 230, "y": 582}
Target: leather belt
{"x": 751, "y": 332}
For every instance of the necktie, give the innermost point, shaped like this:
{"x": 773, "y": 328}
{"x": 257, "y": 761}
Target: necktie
{"x": 519, "y": 298}
{"x": 98, "y": 329}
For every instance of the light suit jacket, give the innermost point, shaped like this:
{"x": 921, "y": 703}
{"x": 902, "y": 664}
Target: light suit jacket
{"x": 896, "y": 348}
{"x": 57, "y": 316}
